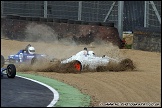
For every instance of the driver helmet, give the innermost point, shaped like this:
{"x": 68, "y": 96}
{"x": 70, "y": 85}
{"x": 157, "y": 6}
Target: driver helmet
{"x": 85, "y": 48}
{"x": 91, "y": 53}
{"x": 31, "y": 50}
{"x": 29, "y": 45}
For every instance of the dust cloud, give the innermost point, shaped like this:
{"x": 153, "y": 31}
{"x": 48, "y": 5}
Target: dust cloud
{"x": 40, "y": 32}
{"x": 45, "y": 40}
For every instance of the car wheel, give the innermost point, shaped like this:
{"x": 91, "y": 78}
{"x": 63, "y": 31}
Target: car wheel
{"x": 11, "y": 71}
{"x": 77, "y": 65}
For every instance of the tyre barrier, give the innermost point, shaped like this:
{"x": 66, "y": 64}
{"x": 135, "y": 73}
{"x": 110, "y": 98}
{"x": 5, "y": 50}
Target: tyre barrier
{"x": 85, "y": 23}
{"x": 71, "y": 22}
{"x": 77, "y": 22}
{"x": 57, "y": 20}
{"x": 95, "y": 23}
{"x": 28, "y": 18}
{"x": 12, "y": 16}
{"x": 147, "y": 39}
{"x": 110, "y": 24}
{"x": 63, "y": 20}
{"x": 76, "y": 28}
{"x": 43, "y": 19}
{"x": 35, "y": 18}
{"x": 50, "y": 20}
{"x": 22, "y": 18}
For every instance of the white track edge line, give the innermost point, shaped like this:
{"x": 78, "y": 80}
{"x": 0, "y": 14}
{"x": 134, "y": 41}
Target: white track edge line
{"x": 55, "y": 93}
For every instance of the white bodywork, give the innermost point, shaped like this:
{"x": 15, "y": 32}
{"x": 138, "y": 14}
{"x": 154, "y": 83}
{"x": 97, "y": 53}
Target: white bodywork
{"x": 89, "y": 59}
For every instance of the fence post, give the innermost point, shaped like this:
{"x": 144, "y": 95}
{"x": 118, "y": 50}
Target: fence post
{"x": 2, "y": 8}
{"x": 120, "y": 18}
{"x": 45, "y": 9}
{"x": 145, "y": 13}
{"x": 108, "y": 13}
{"x": 80, "y": 10}
{"x": 156, "y": 11}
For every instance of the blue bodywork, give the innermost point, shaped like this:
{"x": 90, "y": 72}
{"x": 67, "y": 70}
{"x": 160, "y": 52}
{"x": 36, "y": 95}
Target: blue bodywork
{"x": 2, "y": 70}
{"x": 23, "y": 56}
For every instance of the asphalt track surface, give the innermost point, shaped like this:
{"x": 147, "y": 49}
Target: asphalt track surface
{"x": 20, "y": 92}
{"x": 68, "y": 96}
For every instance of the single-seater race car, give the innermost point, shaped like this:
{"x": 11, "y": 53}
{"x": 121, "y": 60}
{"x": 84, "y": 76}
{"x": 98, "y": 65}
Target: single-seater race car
{"x": 23, "y": 56}
{"x": 10, "y": 70}
{"x": 80, "y": 61}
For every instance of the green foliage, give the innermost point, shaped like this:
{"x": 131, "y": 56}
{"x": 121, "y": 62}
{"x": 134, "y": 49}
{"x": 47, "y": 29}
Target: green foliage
{"x": 126, "y": 46}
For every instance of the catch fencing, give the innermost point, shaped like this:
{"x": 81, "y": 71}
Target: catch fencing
{"x": 126, "y": 15}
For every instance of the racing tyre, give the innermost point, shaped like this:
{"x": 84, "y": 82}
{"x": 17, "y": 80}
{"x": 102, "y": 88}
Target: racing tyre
{"x": 77, "y": 65}
{"x": 11, "y": 71}
{"x": 74, "y": 66}
{"x": 2, "y": 61}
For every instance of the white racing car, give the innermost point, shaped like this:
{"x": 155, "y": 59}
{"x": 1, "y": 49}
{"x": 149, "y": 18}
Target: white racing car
{"x": 80, "y": 61}
{"x": 87, "y": 61}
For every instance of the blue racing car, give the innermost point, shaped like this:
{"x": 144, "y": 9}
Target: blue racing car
{"x": 23, "y": 57}
{"x": 26, "y": 56}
